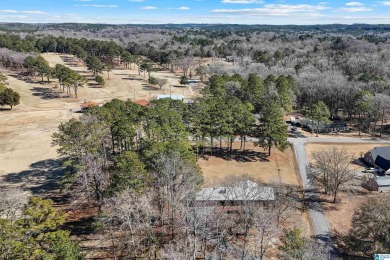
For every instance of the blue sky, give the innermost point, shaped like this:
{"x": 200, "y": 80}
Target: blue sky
{"x": 195, "y": 11}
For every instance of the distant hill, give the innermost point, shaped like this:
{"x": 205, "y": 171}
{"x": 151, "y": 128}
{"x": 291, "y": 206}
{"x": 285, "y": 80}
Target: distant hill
{"x": 336, "y": 28}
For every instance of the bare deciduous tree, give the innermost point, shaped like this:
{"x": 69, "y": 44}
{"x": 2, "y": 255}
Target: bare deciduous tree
{"x": 161, "y": 82}
{"x": 330, "y": 170}
{"x": 12, "y": 201}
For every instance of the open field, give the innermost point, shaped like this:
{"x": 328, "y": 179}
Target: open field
{"x": 278, "y": 168}
{"x": 340, "y": 215}
{"x": 25, "y": 132}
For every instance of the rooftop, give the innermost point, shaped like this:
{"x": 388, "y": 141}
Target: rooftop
{"x": 90, "y": 104}
{"x": 383, "y": 151}
{"x": 383, "y": 181}
{"x": 174, "y": 97}
{"x": 244, "y": 190}
{"x": 141, "y": 102}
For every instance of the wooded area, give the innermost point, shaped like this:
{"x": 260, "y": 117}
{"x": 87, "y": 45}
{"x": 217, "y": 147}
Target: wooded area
{"x": 137, "y": 166}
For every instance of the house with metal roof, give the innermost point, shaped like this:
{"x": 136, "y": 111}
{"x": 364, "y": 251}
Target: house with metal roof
{"x": 321, "y": 127}
{"x": 379, "y": 157}
{"x": 174, "y": 97}
{"x": 237, "y": 194}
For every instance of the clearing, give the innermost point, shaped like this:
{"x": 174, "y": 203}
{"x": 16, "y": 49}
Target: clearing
{"x": 25, "y": 133}
{"x": 278, "y": 168}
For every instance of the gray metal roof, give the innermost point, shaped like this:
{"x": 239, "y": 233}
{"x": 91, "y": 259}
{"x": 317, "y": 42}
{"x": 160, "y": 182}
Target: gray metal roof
{"x": 245, "y": 190}
{"x": 383, "y": 181}
{"x": 174, "y": 97}
{"x": 383, "y": 151}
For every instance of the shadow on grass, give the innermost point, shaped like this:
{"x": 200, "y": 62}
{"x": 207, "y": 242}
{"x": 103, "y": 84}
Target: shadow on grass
{"x": 47, "y": 93}
{"x": 237, "y": 155}
{"x": 43, "y": 177}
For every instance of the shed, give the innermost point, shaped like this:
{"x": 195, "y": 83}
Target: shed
{"x": 193, "y": 81}
{"x": 229, "y": 58}
{"x": 89, "y": 104}
{"x": 174, "y": 97}
{"x": 383, "y": 184}
{"x": 141, "y": 102}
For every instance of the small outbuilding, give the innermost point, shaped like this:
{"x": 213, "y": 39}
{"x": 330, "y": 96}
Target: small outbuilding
{"x": 383, "y": 184}
{"x": 229, "y": 58}
{"x": 380, "y": 184}
{"x": 141, "y": 102}
{"x": 89, "y": 104}
{"x": 174, "y": 97}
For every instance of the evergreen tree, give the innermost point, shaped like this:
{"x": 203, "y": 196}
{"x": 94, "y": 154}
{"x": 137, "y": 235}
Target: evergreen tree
{"x": 273, "y": 130}
{"x": 320, "y": 113}
{"x": 9, "y": 97}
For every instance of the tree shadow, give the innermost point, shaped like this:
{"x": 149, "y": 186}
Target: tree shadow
{"x": 42, "y": 178}
{"x": 46, "y": 93}
{"x": 238, "y": 155}
{"x": 345, "y": 246}
{"x": 148, "y": 87}
{"x": 313, "y": 201}
{"x": 94, "y": 85}
{"x": 81, "y": 220}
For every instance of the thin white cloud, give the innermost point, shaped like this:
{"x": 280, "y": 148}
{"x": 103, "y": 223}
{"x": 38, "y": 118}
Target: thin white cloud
{"x": 99, "y": 6}
{"x": 149, "y": 8}
{"x": 22, "y": 12}
{"x": 275, "y": 9}
{"x": 354, "y": 4}
{"x": 354, "y": 9}
{"x": 385, "y": 3}
{"x": 183, "y": 8}
{"x": 242, "y": 2}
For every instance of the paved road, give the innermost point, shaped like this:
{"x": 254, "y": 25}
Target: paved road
{"x": 320, "y": 223}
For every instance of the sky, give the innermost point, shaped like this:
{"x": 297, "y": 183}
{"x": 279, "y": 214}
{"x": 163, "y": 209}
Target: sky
{"x": 195, "y": 11}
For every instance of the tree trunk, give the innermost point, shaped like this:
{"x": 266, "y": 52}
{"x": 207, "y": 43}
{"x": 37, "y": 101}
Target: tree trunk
{"x": 383, "y": 116}
{"x": 75, "y": 89}
{"x": 269, "y": 149}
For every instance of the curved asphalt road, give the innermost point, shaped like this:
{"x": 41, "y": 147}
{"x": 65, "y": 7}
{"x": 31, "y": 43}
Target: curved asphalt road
{"x": 318, "y": 218}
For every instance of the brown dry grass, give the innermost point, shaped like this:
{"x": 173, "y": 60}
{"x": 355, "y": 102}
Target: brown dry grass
{"x": 278, "y": 168}
{"x": 340, "y": 215}
{"x": 217, "y": 170}
{"x": 25, "y": 133}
